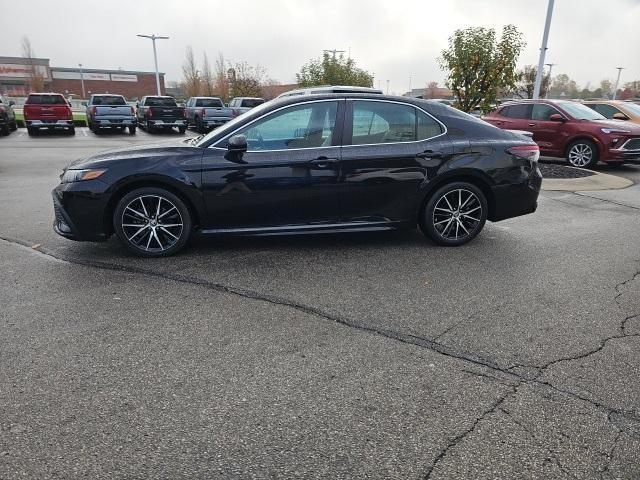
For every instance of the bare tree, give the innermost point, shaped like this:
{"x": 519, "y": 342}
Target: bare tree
{"x": 208, "y": 80}
{"x": 221, "y": 81}
{"x": 191, "y": 81}
{"x": 249, "y": 80}
{"x": 36, "y": 78}
{"x": 432, "y": 90}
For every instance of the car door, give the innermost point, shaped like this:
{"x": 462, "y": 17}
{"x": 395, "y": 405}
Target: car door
{"x": 288, "y": 176}
{"x": 388, "y": 148}
{"x": 546, "y": 133}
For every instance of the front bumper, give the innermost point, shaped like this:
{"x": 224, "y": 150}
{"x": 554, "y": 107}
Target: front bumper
{"x": 517, "y": 199}
{"x": 49, "y": 123}
{"x": 622, "y": 154}
{"x": 79, "y": 211}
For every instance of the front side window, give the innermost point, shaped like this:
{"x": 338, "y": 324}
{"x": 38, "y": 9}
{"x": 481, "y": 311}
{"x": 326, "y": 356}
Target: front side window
{"x": 542, "y": 111}
{"x": 308, "y": 125}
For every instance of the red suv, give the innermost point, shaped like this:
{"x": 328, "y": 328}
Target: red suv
{"x": 570, "y": 130}
{"x": 48, "y": 110}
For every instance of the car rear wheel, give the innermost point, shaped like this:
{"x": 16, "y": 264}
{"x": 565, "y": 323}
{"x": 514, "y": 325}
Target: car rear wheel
{"x": 5, "y": 129}
{"x": 72, "y": 131}
{"x": 149, "y": 127}
{"x": 14, "y": 126}
{"x": 582, "y": 154}
{"x": 132, "y": 130}
{"x": 199, "y": 126}
{"x": 182, "y": 130}
{"x": 454, "y": 214}
{"x": 31, "y": 131}
{"x": 152, "y": 222}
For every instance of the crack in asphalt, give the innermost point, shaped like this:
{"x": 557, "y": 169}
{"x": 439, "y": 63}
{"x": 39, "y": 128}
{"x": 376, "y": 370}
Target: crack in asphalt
{"x": 605, "y": 200}
{"x": 517, "y": 379}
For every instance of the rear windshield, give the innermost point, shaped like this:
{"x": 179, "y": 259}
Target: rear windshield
{"x": 45, "y": 100}
{"x": 209, "y": 102}
{"x": 160, "y": 102}
{"x": 111, "y": 100}
{"x": 252, "y": 102}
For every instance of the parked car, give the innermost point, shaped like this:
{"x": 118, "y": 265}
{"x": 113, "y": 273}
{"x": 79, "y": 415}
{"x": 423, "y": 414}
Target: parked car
{"x": 205, "y": 113}
{"x": 110, "y": 111}
{"x": 49, "y": 111}
{"x": 160, "y": 112}
{"x": 616, "y": 109}
{"x": 316, "y": 163}
{"x": 239, "y": 105}
{"x": 328, "y": 89}
{"x": 570, "y": 130}
{"x": 7, "y": 116}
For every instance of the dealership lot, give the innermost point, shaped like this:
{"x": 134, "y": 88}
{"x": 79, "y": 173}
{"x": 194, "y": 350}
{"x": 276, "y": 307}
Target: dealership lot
{"x": 515, "y": 356}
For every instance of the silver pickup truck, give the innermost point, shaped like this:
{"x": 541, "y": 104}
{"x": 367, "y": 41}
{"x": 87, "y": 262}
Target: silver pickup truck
{"x": 205, "y": 113}
{"x": 239, "y": 105}
{"x": 110, "y": 111}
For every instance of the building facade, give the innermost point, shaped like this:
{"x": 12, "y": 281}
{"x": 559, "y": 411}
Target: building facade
{"x": 16, "y": 74}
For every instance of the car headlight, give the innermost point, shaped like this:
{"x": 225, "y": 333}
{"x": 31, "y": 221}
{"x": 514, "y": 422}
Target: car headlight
{"x": 71, "y": 175}
{"x": 614, "y": 130}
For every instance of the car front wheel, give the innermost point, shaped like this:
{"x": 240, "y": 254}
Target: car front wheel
{"x": 582, "y": 154}
{"x": 152, "y": 222}
{"x": 454, "y": 214}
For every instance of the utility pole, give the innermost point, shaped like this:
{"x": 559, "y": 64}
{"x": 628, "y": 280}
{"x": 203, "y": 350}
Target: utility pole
{"x": 334, "y": 51}
{"x": 155, "y": 56}
{"x": 615, "y": 89}
{"x": 82, "y": 80}
{"x": 409, "y": 84}
{"x": 543, "y": 50}
{"x": 550, "y": 65}
{"x": 387, "y": 87}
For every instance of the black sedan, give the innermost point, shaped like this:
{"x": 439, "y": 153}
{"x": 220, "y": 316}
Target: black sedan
{"x": 322, "y": 163}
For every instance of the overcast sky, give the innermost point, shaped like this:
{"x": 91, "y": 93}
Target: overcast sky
{"x": 393, "y": 39}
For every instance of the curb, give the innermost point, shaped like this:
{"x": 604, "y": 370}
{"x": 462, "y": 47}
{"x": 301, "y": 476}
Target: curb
{"x": 599, "y": 181}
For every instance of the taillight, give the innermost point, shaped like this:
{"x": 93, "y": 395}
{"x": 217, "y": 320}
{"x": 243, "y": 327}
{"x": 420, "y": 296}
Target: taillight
{"x": 2, "y": 109}
{"x": 94, "y": 110}
{"x": 184, "y": 113}
{"x": 132, "y": 111}
{"x": 526, "y": 152}
{"x": 69, "y": 112}
{"x": 202, "y": 112}
{"x": 150, "y": 112}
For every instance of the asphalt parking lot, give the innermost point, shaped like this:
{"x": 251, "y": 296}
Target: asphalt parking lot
{"x": 333, "y": 356}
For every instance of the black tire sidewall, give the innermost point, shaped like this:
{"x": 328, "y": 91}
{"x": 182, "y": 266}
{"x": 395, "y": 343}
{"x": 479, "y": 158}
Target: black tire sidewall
{"x": 177, "y": 201}
{"x": 594, "y": 149}
{"x": 426, "y": 220}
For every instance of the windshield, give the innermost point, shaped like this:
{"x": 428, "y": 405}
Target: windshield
{"x": 160, "y": 102}
{"x": 231, "y": 125}
{"x": 580, "y": 112}
{"x": 111, "y": 100}
{"x": 632, "y": 107}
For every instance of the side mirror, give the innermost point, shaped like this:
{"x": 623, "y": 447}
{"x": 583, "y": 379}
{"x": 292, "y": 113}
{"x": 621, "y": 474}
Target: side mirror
{"x": 237, "y": 143}
{"x": 11, "y": 103}
{"x": 619, "y": 116}
{"x": 556, "y": 117}
{"x": 84, "y": 104}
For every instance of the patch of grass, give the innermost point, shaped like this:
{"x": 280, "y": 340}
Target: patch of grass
{"x": 79, "y": 118}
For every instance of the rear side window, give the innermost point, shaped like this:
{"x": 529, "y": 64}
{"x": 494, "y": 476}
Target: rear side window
{"x": 110, "y": 100}
{"x": 516, "y": 111}
{"x": 209, "y": 102}
{"x": 541, "y": 111}
{"x": 251, "y": 103}
{"x": 45, "y": 100}
{"x": 160, "y": 102}
{"x": 428, "y": 127}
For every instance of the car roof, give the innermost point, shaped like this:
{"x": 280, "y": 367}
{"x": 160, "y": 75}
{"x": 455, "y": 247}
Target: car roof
{"x": 608, "y": 102}
{"x": 320, "y": 89}
{"x": 355, "y": 96}
{"x": 207, "y": 97}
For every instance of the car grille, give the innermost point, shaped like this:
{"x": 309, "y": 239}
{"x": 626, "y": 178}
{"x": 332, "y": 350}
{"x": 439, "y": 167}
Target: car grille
{"x": 633, "y": 144}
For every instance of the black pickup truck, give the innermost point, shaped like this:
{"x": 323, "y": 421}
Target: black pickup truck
{"x": 160, "y": 112}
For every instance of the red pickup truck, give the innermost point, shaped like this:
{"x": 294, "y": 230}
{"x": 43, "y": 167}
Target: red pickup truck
{"x": 48, "y": 110}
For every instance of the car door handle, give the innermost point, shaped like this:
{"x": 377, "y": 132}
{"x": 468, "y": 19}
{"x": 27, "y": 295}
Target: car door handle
{"x": 532, "y": 124}
{"x": 430, "y": 154}
{"x": 322, "y": 163}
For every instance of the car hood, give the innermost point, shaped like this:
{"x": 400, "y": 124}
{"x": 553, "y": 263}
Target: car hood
{"x": 621, "y": 124}
{"x": 160, "y": 149}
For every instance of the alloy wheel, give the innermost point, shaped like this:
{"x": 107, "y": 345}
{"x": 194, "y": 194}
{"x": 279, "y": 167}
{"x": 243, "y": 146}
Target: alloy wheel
{"x": 580, "y": 155}
{"x": 457, "y": 214}
{"x": 152, "y": 223}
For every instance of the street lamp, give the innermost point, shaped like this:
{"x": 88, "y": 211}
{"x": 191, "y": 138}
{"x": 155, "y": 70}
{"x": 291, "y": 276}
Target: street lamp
{"x": 615, "y": 89}
{"x": 543, "y": 50}
{"x": 155, "y": 56}
{"x": 82, "y": 80}
{"x": 550, "y": 65}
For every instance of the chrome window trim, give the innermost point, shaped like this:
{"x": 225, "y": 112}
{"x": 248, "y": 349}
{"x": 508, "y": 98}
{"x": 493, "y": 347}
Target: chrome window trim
{"x": 337, "y": 100}
{"x": 442, "y": 125}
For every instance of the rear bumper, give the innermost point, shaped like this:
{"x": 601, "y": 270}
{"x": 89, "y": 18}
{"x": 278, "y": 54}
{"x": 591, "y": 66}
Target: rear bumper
{"x": 114, "y": 122}
{"x": 214, "y": 122}
{"x": 49, "y": 123}
{"x": 516, "y": 199}
{"x": 169, "y": 122}
{"x": 79, "y": 211}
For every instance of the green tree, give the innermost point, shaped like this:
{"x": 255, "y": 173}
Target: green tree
{"x": 478, "y": 66}
{"x": 246, "y": 80}
{"x": 191, "y": 77}
{"x": 526, "y": 81}
{"x": 333, "y": 70}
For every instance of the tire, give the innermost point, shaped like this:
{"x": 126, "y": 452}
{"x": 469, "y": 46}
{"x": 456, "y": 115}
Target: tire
{"x": 72, "y": 131}
{"x": 199, "y": 127}
{"x": 182, "y": 130}
{"x": 122, "y": 129}
{"x": 438, "y": 224}
{"x": 136, "y": 224}
{"x": 149, "y": 128}
{"x": 4, "y": 130}
{"x": 132, "y": 130}
{"x": 31, "y": 131}
{"x": 13, "y": 126}
{"x": 582, "y": 154}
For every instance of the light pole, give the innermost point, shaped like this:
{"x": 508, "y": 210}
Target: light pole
{"x": 82, "y": 80}
{"x": 409, "y": 85}
{"x": 387, "y": 87}
{"x": 334, "y": 51}
{"x": 550, "y": 65}
{"x": 543, "y": 50}
{"x": 615, "y": 89}
{"x": 155, "y": 56}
